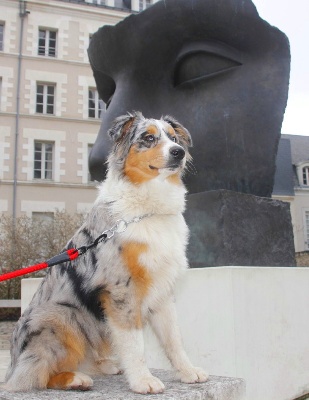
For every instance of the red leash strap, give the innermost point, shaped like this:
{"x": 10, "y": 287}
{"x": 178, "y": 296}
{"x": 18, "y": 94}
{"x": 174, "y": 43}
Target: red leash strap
{"x": 68, "y": 255}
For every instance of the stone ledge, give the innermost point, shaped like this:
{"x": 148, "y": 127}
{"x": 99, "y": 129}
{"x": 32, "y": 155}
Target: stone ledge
{"x": 116, "y": 388}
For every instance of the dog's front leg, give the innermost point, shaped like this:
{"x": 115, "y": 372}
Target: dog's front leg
{"x": 129, "y": 345}
{"x": 164, "y": 324}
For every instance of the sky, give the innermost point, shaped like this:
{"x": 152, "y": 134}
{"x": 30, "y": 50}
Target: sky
{"x": 292, "y": 18}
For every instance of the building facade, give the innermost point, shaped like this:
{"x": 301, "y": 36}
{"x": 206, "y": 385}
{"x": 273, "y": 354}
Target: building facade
{"x": 50, "y": 112}
{"x": 292, "y": 184}
{"x": 49, "y": 106}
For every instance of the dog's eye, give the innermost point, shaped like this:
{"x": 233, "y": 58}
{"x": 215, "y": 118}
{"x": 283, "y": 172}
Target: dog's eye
{"x": 174, "y": 139}
{"x": 149, "y": 138}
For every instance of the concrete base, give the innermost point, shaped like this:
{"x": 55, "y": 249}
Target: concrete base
{"x": 116, "y": 388}
{"x": 251, "y": 323}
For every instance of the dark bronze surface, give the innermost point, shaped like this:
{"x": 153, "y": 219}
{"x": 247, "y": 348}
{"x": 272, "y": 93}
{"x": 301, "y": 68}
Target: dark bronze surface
{"x": 214, "y": 65}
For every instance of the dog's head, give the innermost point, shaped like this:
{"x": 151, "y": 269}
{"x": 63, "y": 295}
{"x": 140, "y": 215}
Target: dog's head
{"x": 148, "y": 148}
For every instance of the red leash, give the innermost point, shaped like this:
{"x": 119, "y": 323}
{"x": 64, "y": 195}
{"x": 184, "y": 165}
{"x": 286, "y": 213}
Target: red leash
{"x": 71, "y": 254}
{"x": 68, "y": 255}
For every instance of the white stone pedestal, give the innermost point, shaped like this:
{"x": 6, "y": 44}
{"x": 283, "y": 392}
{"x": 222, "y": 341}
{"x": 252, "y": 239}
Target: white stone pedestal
{"x": 116, "y": 388}
{"x": 248, "y": 322}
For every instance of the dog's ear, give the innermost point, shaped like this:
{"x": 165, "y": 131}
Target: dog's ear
{"x": 182, "y": 133}
{"x": 122, "y": 125}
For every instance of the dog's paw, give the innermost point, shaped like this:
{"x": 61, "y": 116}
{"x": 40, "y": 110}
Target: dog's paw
{"x": 80, "y": 382}
{"x": 147, "y": 384}
{"x": 193, "y": 375}
{"x": 70, "y": 381}
{"x": 109, "y": 367}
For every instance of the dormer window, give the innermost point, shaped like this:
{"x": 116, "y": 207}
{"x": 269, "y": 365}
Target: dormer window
{"x": 302, "y": 169}
{"x": 306, "y": 176}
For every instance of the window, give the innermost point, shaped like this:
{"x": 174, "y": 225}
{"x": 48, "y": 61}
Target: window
{"x": 45, "y": 96}
{"x": 306, "y": 176}
{"x": 1, "y": 36}
{"x": 97, "y": 2}
{"x": 43, "y": 160}
{"x": 47, "y": 43}
{"x": 90, "y": 178}
{"x": 124, "y": 4}
{"x": 94, "y": 104}
{"x": 143, "y": 4}
{"x": 42, "y": 216}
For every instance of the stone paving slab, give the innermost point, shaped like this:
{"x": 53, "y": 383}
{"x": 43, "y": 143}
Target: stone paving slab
{"x": 6, "y": 329}
{"x": 4, "y": 363}
{"x": 116, "y": 388}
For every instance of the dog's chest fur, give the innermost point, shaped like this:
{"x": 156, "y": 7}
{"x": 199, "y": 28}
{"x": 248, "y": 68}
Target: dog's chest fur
{"x": 150, "y": 252}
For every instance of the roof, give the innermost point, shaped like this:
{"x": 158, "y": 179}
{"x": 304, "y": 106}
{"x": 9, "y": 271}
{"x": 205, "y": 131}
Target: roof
{"x": 292, "y": 150}
{"x": 299, "y": 148}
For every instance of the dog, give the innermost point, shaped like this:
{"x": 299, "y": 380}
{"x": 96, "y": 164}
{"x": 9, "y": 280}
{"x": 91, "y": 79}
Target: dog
{"x": 86, "y": 317}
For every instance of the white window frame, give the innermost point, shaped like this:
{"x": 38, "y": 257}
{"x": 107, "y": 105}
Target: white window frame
{"x": 86, "y": 141}
{"x": 46, "y": 96}
{"x": 96, "y": 108}
{"x": 144, "y": 4}
{"x": 302, "y": 169}
{"x": 96, "y": 2}
{"x": 43, "y": 161}
{"x": 30, "y": 206}
{"x": 305, "y": 175}
{"x": 47, "y": 50}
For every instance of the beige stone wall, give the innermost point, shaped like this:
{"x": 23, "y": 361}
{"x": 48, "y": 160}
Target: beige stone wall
{"x": 302, "y": 259}
{"x": 299, "y": 205}
{"x": 69, "y": 128}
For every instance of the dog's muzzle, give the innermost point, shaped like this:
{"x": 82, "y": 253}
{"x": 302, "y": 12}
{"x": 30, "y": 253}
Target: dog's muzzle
{"x": 177, "y": 153}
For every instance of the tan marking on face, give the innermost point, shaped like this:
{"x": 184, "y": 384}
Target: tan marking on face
{"x": 137, "y": 165}
{"x": 152, "y": 130}
{"x": 60, "y": 381}
{"x": 171, "y": 130}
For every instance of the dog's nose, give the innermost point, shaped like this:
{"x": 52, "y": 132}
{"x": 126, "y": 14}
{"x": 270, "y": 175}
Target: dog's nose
{"x": 177, "y": 152}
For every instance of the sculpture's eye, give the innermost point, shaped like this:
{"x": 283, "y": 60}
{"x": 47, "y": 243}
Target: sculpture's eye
{"x": 203, "y": 62}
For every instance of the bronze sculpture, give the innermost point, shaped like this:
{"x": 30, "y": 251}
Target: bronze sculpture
{"x": 214, "y": 65}
{"x": 223, "y": 72}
